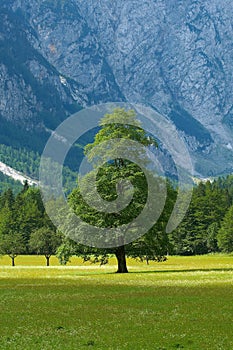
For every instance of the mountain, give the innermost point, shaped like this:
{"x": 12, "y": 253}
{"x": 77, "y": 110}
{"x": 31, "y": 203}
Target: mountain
{"x": 16, "y": 175}
{"x": 173, "y": 55}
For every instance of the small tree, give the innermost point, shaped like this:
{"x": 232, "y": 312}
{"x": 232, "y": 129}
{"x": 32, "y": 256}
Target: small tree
{"x": 45, "y": 241}
{"x": 225, "y": 234}
{"x": 12, "y": 244}
{"x": 64, "y": 252}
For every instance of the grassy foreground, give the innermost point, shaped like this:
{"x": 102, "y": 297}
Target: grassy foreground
{"x": 184, "y": 303}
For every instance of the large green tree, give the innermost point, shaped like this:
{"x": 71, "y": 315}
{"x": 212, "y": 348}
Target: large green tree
{"x": 121, "y": 125}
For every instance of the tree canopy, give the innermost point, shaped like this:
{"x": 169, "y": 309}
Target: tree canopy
{"x": 119, "y": 126}
{"x": 225, "y": 234}
{"x": 45, "y": 241}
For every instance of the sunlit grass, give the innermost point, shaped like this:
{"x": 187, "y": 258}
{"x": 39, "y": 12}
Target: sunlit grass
{"x": 173, "y": 262}
{"x": 183, "y": 303}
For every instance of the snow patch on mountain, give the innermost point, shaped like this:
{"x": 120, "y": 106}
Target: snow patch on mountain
{"x": 16, "y": 175}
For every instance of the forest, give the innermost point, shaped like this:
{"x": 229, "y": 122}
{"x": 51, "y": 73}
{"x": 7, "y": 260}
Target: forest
{"x": 28, "y": 163}
{"x": 25, "y": 227}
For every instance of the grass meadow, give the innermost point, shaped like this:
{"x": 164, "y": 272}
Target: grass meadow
{"x": 183, "y": 303}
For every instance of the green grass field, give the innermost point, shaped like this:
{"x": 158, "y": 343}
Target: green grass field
{"x": 183, "y": 303}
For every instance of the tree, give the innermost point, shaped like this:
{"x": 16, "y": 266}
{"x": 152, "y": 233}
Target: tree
{"x": 12, "y": 244}
{"x": 7, "y": 220}
{"x": 65, "y": 251}
{"x": 109, "y": 187}
{"x": 22, "y": 214}
{"x": 45, "y": 241}
{"x": 11, "y": 241}
{"x": 225, "y": 234}
{"x": 30, "y": 212}
{"x": 197, "y": 232}
{"x": 212, "y": 242}
{"x": 7, "y": 199}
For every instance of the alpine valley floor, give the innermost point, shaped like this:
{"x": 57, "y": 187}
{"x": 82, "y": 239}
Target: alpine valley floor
{"x": 183, "y": 303}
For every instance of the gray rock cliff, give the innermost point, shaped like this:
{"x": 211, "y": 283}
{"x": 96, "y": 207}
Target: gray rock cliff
{"x": 174, "y": 55}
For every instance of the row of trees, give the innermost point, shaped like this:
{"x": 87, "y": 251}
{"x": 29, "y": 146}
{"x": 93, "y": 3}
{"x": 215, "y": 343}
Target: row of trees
{"x": 207, "y": 227}
{"x": 24, "y": 226}
{"x": 208, "y": 224}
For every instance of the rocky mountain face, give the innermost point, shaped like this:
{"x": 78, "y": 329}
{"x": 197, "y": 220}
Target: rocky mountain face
{"x": 173, "y": 55}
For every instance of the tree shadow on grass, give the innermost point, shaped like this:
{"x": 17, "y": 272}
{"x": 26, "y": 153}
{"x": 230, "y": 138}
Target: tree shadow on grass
{"x": 185, "y": 270}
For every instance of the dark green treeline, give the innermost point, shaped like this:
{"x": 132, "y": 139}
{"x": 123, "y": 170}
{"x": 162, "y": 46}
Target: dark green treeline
{"x": 206, "y": 228}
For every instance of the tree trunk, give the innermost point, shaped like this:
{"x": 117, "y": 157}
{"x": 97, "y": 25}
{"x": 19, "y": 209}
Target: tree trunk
{"x": 47, "y": 260}
{"x": 12, "y": 261}
{"x": 121, "y": 260}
